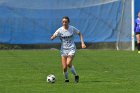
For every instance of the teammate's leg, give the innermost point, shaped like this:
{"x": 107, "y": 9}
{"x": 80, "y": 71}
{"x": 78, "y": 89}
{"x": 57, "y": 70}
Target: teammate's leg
{"x": 64, "y": 64}
{"x": 138, "y": 42}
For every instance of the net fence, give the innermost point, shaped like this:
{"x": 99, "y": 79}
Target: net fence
{"x": 105, "y": 23}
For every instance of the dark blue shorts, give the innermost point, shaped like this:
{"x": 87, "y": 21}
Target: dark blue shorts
{"x": 137, "y": 33}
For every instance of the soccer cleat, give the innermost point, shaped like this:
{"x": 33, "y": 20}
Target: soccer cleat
{"x": 66, "y": 80}
{"x": 139, "y": 52}
{"x": 76, "y": 79}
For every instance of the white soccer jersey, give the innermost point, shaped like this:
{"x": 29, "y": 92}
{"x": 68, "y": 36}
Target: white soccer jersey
{"x": 67, "y": 36}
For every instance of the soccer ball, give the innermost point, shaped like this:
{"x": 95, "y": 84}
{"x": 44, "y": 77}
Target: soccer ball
{"x": 51, "y": 78}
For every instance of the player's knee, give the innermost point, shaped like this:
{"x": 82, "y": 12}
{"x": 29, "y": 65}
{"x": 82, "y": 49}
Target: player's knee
{"x": 65, "y": 68}
{"x": 69, "y": 65}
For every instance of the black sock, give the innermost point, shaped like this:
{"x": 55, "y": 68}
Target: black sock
{"x": 138, "y": 46}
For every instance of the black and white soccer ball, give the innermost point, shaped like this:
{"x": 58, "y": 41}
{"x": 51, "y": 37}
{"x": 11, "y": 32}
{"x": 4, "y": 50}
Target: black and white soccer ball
{"x": 51, "y": 78}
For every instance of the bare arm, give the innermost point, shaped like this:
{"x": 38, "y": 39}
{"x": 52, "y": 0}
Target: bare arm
{"x": 53, "y": 37}
{"x": 82, "y": 41}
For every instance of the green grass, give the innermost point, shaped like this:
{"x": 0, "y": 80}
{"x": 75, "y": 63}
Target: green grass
{"x": 106, "y": 71}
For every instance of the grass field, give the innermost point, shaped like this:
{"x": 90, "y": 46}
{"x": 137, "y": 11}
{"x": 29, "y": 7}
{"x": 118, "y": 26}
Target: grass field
{"x": 101, "y": 71}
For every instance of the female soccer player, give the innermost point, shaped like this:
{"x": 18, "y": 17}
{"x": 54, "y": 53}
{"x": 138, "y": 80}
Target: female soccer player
{"x": 137, "y": 31}
{"x": 66, "y": 34}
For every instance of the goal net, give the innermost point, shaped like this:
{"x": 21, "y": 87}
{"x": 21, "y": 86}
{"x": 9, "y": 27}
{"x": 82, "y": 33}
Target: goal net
{"x": 104, "y": 23}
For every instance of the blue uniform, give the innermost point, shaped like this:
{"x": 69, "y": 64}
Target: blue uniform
{"x": 137, "y": 25}
{"x": 68, "y": 47}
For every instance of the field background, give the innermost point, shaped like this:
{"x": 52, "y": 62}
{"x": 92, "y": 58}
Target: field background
{"x": 100, "y": 71}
